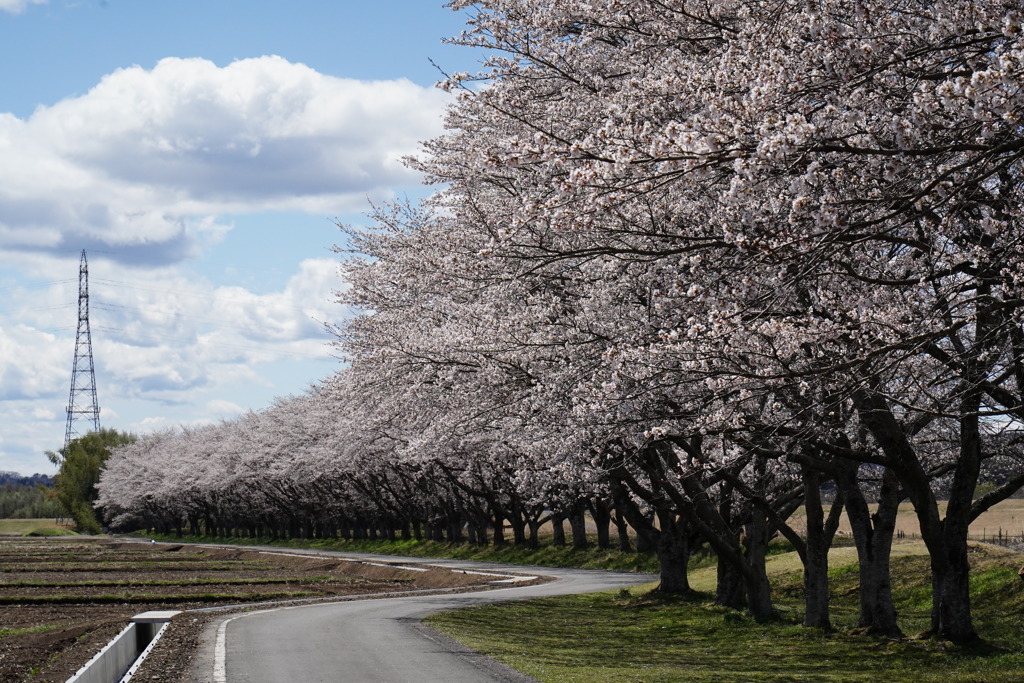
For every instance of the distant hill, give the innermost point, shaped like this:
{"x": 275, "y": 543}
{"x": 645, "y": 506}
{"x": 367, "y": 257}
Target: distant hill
{"x": 22, "y": 480}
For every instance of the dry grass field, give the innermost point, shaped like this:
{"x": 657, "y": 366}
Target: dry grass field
{"x": 1005, "y": 520}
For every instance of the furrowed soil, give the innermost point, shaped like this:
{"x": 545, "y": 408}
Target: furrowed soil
{"x": 63, "y": 599}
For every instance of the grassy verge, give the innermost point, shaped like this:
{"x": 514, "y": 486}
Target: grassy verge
{"x": 48, "y": 532}
{"x": 545, "y": 556}
{"x": 639, "y": 636}
{"x": 32, "y": 527}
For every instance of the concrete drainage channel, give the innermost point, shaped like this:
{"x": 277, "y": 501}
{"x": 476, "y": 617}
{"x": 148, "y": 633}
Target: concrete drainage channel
{"x": 118, "y": 661}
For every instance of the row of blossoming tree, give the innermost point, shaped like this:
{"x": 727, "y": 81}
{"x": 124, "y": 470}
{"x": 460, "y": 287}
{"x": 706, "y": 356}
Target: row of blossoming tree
{"x": 690, "y": 267}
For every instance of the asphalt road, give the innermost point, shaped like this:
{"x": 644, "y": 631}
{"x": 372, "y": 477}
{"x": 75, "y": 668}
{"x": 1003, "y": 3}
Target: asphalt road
{"x": 375, "y": 640}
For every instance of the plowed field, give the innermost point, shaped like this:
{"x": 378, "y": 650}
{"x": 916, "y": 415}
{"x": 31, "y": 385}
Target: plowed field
{"x": 62, "y": 599}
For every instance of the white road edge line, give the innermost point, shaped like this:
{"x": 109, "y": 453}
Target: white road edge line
{"x": 220, "y": 652}
{"x": 348, "y": 558}
{"x": 220, "y": 647}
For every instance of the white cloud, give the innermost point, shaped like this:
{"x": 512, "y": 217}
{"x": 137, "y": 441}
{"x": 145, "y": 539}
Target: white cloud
{"x": 26, "y": 435}
{"x": 141, "y": 171}
{"x": 168, "y": 335}
{"x": 18, "y": 6}
{"x": 224, "y": 408}
{"x": 164, "y": 342}
{"x": 151, "y": 424}
{"x": 33, "y": 363}
{"x": 147, "y": 157}
{"x": 297, "y": 312}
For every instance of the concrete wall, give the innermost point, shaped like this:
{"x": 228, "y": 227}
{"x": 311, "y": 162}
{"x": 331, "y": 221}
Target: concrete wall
{"x": 111, "y": 663}
{"x": 122, "y": 655}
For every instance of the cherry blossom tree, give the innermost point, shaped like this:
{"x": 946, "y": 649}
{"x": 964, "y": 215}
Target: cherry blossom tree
{"x": 834, "y": 187}
{"x": 688, "y": 266}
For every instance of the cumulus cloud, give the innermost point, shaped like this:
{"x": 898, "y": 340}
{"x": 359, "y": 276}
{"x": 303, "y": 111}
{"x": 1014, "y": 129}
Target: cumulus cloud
{"x": 146, "y": 170}
{"x": 33, "y": 363}
{"x": 166, "y": 335}
{"x": 145, "y": 158}
{"x": 18, "y": 6}
{"x": 168, "y": 345}
{"x": 222, "y": 408}
{"x": 27, "y": 435}
{"x": 160, "y": 336}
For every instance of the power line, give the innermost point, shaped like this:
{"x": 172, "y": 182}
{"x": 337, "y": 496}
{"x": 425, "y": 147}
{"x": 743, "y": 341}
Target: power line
{"x": 37, "y": 285}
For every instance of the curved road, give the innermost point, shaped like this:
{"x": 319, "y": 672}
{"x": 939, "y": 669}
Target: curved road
{"x": 375, "y": 640}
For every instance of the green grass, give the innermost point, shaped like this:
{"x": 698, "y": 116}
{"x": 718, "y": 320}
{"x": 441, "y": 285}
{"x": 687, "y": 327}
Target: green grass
{"x": 643, "y": 637}
{"x": 640, "y": 636}
{"x": 47, "y": 532}
{"x": 33, "y": 527}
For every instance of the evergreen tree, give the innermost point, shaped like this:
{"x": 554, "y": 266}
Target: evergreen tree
{"x": 81, "y": 463}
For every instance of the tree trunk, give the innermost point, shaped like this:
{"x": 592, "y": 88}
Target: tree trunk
{"x": 759, "y": 597}
{"x": 455, "y": 531}
{"x": 673, "y": 555}
{"x": 499, "y": 530}
{"x": 534, "y": 540}
{"x": 518, "y": 528}
{"x": 820, "y": 532}
{"x": 816, "y": 599}
{"x": 729, "y": 586}
{"x": 951, "y": 599}
{"x": 645, "y": 542}
{"x": 578, "y": 526}
{"x": 602, "y": 521}
{"x": 627, "y": 511}
{"x": 557, "y": 530}
{"x": 872, "y": 535}
{"x": 481, "y": 534}
{"x": 951, "y": 594}
{"x": 946, "y": 538}
{"x": 622, "y": 528}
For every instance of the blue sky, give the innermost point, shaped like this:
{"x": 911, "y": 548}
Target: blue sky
{"x": 200, "y": 152}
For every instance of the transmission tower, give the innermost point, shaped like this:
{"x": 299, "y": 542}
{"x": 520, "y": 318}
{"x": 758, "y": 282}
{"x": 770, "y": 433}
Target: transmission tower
{"x": 82, "y": 403}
